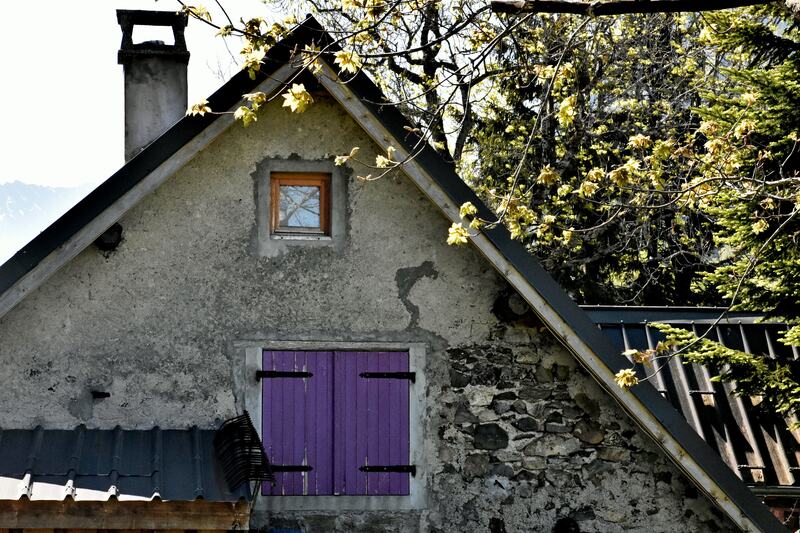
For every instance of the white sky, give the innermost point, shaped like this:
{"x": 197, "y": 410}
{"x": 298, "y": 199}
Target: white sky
{"x": 61, "y": 91}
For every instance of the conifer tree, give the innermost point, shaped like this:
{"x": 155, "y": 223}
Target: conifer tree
{"x": 746, "y": 166}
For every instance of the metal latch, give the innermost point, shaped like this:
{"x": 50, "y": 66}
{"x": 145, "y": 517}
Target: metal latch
{"x": 281, "y": 374}
{"x": 411, "y": 376}
{"x": 406, "y": 469}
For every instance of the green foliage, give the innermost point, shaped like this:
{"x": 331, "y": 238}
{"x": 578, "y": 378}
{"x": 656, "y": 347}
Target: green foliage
{"x": 754, "y": 375}
{"x": 744, "y": 178}
{"x": 754, "y": 112}
{"x": 612, "y": 109}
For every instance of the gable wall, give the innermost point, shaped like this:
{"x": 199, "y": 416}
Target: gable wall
{"x": 156, "y": 323}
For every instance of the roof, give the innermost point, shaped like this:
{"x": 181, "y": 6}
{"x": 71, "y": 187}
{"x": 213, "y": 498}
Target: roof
{"x": 100, "y": 465}
{"x": 755, "y": 443}
{"x": 437, "y": 178}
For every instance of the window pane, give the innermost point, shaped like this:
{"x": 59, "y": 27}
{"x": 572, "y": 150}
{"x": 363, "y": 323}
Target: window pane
{"x": 299, "y": 206}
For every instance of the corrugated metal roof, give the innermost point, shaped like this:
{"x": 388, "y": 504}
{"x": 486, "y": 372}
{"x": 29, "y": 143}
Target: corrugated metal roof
{"x": 97, "y": 465}
{"x": 755, "y": 443}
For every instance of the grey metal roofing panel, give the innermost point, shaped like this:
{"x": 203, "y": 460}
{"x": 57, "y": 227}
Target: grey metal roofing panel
{"x": 755, "y": 443}
{"x": 96, "y": 465}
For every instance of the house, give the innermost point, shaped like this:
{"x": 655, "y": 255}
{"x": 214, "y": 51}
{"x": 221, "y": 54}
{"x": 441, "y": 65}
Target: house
{"x": 397, "y": 383}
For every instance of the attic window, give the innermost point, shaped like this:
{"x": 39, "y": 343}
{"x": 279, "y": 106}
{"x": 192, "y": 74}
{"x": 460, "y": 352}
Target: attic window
{"x": 300, "y": 203}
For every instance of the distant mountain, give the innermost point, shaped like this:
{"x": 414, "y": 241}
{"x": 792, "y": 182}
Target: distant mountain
{"x": 26, "y": 210}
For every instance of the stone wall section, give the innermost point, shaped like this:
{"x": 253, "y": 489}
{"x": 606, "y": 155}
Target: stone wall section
{"x": 528, "y": 437}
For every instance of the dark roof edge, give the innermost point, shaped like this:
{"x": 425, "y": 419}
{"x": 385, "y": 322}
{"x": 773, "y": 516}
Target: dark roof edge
{"x": 133, "y": 454}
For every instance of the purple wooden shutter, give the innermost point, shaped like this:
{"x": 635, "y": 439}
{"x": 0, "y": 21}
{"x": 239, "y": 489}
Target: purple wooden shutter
{"x": 297, "y": 422}
{"x": 371, "y": 423}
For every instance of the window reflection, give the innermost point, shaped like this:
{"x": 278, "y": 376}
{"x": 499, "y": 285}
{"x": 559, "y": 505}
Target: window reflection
{"x": 299, "y": 206}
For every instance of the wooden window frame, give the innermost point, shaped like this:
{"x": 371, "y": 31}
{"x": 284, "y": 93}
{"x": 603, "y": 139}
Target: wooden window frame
{"x": 307, "y": 179}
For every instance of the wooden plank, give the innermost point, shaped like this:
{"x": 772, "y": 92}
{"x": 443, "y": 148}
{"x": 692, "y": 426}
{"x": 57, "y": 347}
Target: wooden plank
{"x": 375, "y": 411}
{"x": 40, "y": 516}
{"x": 688, "y": 407}
{"x": 719, "y": 429}
{"x": 770, "y": 432}
{"x": 661, "y": 384}
{"x": 740, "y": 413}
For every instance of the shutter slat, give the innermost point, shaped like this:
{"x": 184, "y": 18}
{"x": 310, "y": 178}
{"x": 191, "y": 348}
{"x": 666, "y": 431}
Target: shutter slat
{"x": 373, "y": 415}
{"x": 376, "y": 399}
{"x": 355, "y": 415}
{"x": 402, "y": 436}
{"x": 321, "y": 443}
{"x": 379, "y": 425}
{"x": 301, "y": 414}
{"x": 297, "y": 421}
{"x": 295, "y": 404}
{"x": 393, "y": 423}
{"x": 346, "y": 436}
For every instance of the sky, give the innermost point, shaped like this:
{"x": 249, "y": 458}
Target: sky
{"x": 62, "y": 92}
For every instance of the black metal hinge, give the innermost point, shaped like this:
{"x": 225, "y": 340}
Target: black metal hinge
{"x": 280, "y": 374}
{"x": 406, "y": 469}
{"x": 411, "y": 376}
{"x": 291, "y": 468}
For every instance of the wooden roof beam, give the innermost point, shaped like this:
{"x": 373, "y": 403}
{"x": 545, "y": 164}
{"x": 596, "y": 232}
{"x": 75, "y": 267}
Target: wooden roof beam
{"x": 616, "y": 7}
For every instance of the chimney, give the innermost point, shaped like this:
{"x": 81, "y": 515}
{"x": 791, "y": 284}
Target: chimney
{"x": 155, "y": 77}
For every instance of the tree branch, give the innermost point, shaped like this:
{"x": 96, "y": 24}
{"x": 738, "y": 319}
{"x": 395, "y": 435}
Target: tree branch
{"x": 617, "y": 7}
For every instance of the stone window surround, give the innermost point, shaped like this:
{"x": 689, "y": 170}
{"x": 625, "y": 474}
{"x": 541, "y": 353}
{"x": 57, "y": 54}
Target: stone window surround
{"x": 252, "y": 352}
{"x": 271, "y": 244}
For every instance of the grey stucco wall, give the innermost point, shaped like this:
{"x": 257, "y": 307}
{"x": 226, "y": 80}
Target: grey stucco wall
{"x": 156, "y": 321}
